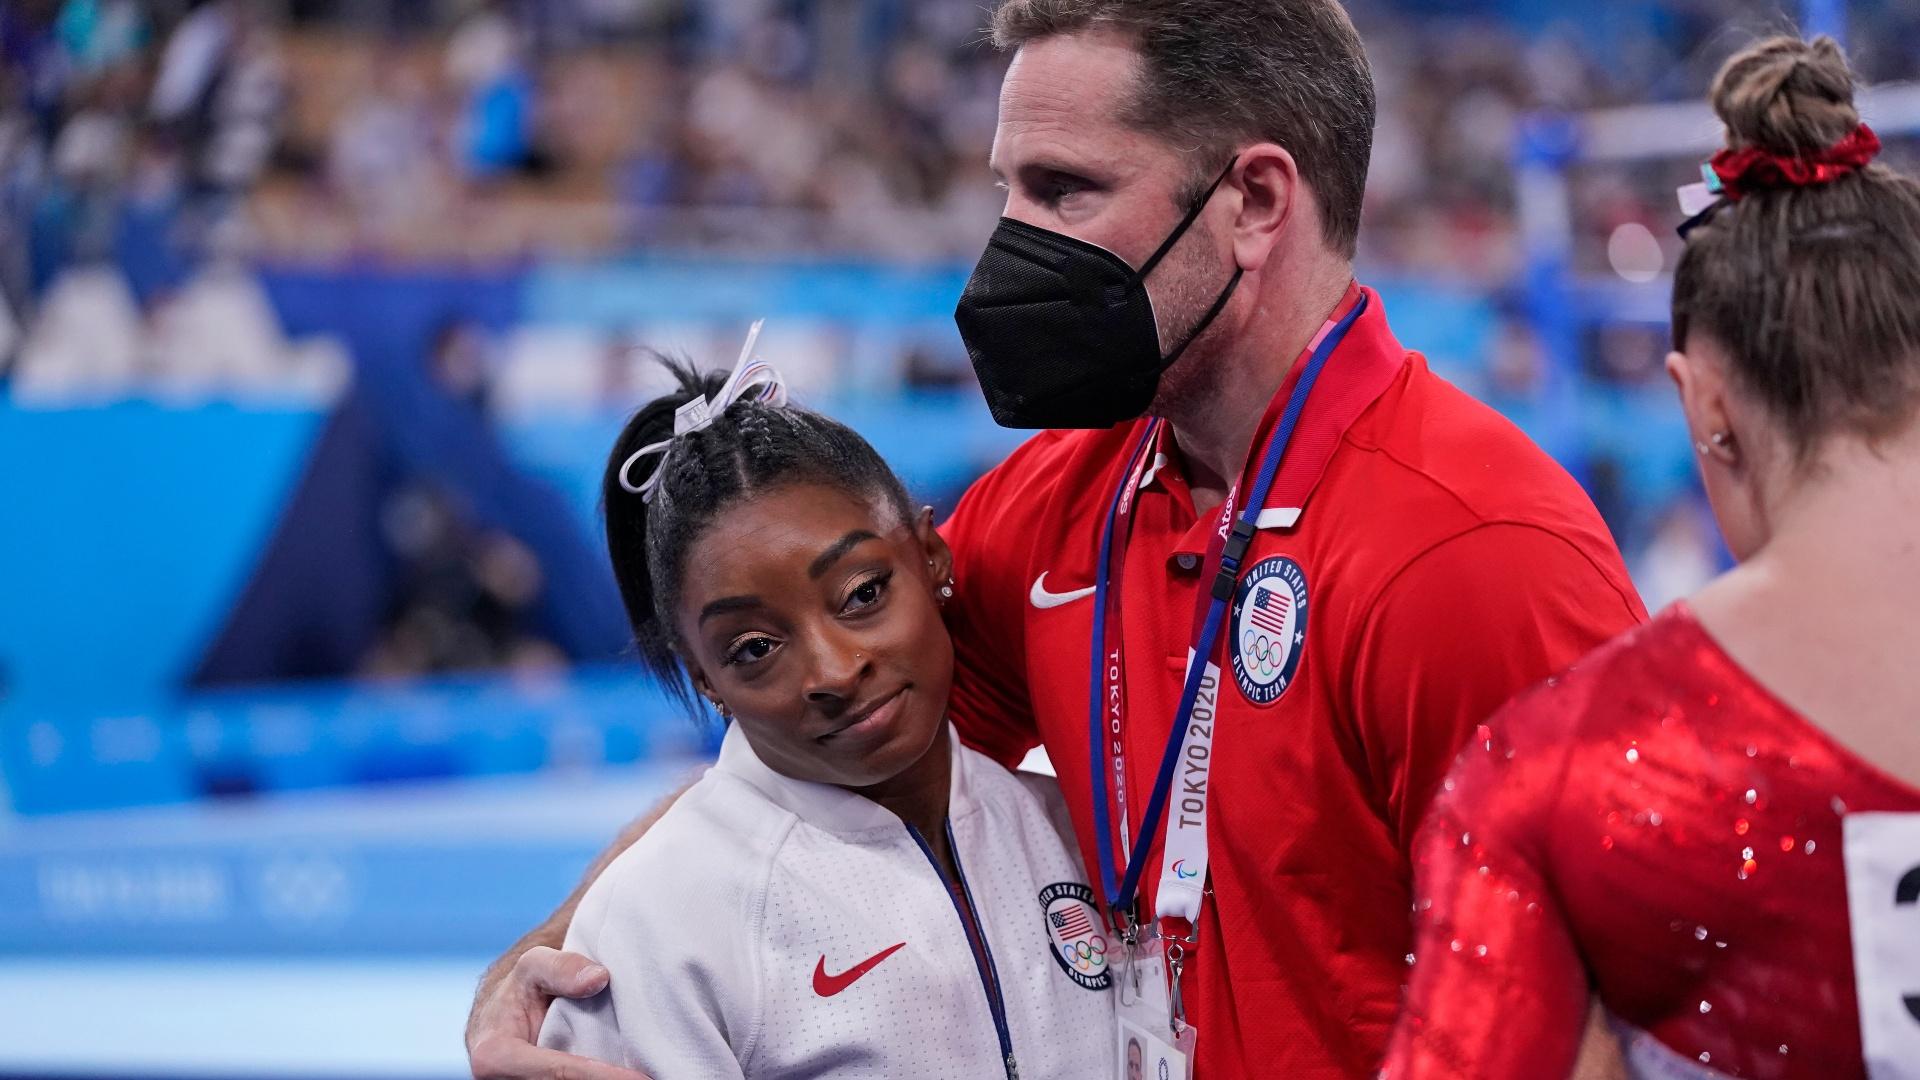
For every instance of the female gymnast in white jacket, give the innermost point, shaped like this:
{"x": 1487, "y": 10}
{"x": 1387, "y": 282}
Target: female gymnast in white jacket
{"x": 848, "y": 892}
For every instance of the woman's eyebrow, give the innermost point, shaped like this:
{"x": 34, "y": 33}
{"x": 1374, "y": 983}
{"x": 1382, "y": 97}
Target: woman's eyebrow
{"x": 838, "y": 549}
{"x": 728, "y": 603}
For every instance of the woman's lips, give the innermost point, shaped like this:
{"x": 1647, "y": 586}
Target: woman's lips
{"x": 877, "y": 719}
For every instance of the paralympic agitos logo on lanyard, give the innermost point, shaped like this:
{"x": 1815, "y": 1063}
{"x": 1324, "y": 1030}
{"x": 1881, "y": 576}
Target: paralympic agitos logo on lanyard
{"x": 1269, "y": 628}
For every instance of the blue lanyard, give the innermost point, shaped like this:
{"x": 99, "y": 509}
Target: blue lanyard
{"x": 1120, "y": 895}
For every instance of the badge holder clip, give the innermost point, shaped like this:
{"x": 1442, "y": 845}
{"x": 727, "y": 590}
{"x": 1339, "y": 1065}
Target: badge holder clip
{"x": 1152, "y": 1023}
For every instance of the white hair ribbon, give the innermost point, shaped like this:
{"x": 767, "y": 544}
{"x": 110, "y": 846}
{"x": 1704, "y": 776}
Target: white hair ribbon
{"x": 752, "y": 379}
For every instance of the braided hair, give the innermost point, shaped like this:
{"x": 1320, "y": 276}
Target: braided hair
{"x": 750, "y": 447}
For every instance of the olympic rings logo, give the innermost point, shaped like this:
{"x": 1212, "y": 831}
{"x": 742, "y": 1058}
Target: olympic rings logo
{"x": 1263, "y": 649}
{"x": 1089, "y": 954}
{"x": 1264, "y": 656}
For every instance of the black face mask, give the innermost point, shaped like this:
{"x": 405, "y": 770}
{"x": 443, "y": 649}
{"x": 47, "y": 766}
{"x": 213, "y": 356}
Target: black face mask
{"x": 1062, "y": 333}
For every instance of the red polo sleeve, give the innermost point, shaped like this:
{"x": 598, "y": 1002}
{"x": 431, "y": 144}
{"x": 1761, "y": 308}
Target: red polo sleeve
{"x": 991, "y": 541}
{"x": 1464, "y": 626}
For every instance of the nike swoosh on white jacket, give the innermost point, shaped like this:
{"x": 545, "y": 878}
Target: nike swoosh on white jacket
{"x": 715, "y": 924}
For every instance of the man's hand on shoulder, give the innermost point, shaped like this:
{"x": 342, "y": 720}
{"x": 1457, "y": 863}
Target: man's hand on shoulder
{"x": 504, "y": 1031}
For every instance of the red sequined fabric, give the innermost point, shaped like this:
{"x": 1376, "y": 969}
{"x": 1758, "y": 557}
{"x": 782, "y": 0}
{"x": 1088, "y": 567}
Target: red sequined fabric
{"x": 1656, "y": 827}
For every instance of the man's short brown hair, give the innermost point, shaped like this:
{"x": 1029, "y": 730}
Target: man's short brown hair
{"x": 1216, "y": 72}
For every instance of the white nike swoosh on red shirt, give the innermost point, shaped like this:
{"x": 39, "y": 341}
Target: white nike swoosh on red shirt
{"x": 1041, "y": 598}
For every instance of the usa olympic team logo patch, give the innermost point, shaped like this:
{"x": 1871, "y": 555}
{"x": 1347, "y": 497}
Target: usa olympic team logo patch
{"x": 1076, "y": 933}
{"x": 1269, "y": 628}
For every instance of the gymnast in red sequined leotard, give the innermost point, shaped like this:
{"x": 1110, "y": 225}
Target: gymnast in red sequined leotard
{"x": 1657, "y": 822}
{"x": 1734, "y": 879}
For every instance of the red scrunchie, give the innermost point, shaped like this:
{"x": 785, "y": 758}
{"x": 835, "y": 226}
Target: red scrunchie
{"x": 1742, "y": 172}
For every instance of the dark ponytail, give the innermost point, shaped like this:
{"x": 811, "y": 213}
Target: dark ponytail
{"x": 749, "y": 447}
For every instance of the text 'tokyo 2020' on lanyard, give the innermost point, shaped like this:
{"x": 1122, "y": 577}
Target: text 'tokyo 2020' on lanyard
{"x": 1121, "y": 892}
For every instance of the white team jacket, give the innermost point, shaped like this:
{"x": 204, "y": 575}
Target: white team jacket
{"x": 769, "y": 927}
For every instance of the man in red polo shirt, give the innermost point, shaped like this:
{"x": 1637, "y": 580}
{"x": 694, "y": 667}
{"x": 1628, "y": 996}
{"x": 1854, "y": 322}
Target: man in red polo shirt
{"x": 1363, "y": 562}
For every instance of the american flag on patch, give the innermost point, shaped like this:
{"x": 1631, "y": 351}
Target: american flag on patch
{"x": 1269, "y": 610}
{"x": 1070, "y": 924}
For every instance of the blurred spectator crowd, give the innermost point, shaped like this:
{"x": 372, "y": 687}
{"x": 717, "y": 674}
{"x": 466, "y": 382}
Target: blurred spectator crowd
{"x": 487, "y": 128}
{"x": 150, "y": 149}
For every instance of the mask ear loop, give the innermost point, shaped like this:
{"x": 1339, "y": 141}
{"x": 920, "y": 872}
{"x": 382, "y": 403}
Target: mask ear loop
{"x": 1220, "y": 302}
{"x": 1206, "y": 320}
{"x": 1140, "y": 275}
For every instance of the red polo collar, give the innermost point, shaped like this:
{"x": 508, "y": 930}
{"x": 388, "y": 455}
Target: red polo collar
{"x": 1355, "y": 376}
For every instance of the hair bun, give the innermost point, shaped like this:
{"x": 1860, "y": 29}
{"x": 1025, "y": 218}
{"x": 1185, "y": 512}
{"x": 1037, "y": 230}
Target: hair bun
{"x": 1786, "y": 96}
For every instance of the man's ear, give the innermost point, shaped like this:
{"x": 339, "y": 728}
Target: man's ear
{"x": 1268, "y": 183}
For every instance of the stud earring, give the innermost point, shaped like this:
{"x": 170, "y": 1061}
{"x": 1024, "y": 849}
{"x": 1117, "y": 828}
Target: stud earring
{"x": 1719, "y": 440}
{"x": 946, "y": 591}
